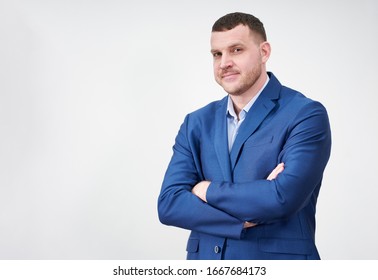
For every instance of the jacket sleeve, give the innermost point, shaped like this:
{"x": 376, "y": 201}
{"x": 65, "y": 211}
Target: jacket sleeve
{"x": 177, "y": 206}
{"x": 305, "y": 154}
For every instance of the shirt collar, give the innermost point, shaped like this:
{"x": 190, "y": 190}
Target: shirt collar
{"x": 230, "y": 105}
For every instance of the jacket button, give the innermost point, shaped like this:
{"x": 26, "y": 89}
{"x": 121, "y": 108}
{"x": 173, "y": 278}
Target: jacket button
{"x": 217, "y": 249}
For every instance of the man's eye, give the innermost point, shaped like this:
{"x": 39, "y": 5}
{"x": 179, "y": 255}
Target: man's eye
{"x": 217, "y": 54}
{"x": 236, "y": 50}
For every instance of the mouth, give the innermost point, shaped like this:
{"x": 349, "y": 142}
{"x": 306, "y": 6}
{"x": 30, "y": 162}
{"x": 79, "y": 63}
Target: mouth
{"x": 228, "y": 76}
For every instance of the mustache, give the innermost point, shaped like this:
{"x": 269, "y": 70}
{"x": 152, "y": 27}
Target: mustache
{"x": 227, "y": 72}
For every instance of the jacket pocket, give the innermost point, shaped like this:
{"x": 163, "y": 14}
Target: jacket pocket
{"x": 252, "y": 142}
{"x": 192, "y": 245}
{"x": 287, "y": 246}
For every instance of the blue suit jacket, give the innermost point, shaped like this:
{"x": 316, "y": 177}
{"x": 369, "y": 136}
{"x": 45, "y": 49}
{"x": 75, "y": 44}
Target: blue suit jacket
{"x": 282, "y": 126}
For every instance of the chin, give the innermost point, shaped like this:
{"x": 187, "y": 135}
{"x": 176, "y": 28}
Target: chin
{"x": 232, "y": 90}
{"x": 235, "y": 93}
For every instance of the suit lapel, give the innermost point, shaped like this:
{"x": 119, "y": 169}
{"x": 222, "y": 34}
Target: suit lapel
{"x": 221, "y": 140}
{"x": 255, "y": 116}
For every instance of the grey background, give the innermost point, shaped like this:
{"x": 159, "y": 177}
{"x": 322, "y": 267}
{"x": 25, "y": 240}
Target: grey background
{"x": 92, "y": 94}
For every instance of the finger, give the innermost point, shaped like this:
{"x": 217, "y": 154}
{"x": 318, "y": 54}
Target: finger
{"x": 279, "y": 168}
{"x": 249, "y": 224}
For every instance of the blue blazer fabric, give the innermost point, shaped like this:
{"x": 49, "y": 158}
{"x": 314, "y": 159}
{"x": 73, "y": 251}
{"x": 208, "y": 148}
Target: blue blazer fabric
{"x": 282, "y": 126}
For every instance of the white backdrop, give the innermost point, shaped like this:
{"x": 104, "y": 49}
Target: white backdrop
{"x": 92, "y": 94}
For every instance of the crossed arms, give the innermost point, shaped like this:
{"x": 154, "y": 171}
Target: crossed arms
{"x": 200, "y": 189}
{"x": 189, "y": 201}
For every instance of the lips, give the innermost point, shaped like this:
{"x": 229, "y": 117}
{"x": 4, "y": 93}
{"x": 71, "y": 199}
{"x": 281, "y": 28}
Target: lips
{"x": 229, "y": 75}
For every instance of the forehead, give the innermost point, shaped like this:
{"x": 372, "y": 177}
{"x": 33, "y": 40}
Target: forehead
{"x": 241, "y": 34}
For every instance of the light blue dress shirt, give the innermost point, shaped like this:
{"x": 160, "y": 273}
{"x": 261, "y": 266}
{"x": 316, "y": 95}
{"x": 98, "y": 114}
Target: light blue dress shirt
{"x": 233, "y": 122}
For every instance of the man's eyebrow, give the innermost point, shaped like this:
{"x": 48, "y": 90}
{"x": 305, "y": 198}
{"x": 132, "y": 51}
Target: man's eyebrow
{"x": 240, "y": 44}
{"x": 237, "y": 44}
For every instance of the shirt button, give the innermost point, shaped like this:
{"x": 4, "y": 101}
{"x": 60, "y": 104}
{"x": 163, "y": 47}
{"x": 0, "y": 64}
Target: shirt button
{"x": 217, "y": 249}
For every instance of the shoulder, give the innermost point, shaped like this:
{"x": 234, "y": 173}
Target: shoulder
{"x": 299, "y": 101}
{"x": 302, "y": 112}
{"x": 285, "y": 95}
{"x": 293, "y": 106}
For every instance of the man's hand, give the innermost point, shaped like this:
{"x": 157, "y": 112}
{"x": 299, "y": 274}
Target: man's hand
{"x": 249, "y": 224}
{"x": 279, "y": 168}
{"x": 200, "y": 190}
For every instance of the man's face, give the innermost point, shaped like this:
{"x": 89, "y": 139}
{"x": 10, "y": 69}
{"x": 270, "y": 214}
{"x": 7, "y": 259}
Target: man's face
{"x": 239, "y": 59}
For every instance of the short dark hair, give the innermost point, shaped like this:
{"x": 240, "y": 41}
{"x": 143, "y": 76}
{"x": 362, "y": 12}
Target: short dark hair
{"x": 232, "y": 20}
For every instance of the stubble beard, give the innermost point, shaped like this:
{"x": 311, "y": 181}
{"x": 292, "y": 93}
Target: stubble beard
{"x": 245, "y": 84}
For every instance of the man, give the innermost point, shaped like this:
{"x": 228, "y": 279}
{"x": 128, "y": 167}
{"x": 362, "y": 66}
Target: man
{"x": 246, "y": 170}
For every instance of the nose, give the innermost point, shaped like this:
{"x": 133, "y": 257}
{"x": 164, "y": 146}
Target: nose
{"x": 225, "y": 62}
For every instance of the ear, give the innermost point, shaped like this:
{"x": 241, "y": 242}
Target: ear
{"x": 265, "y": 51}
